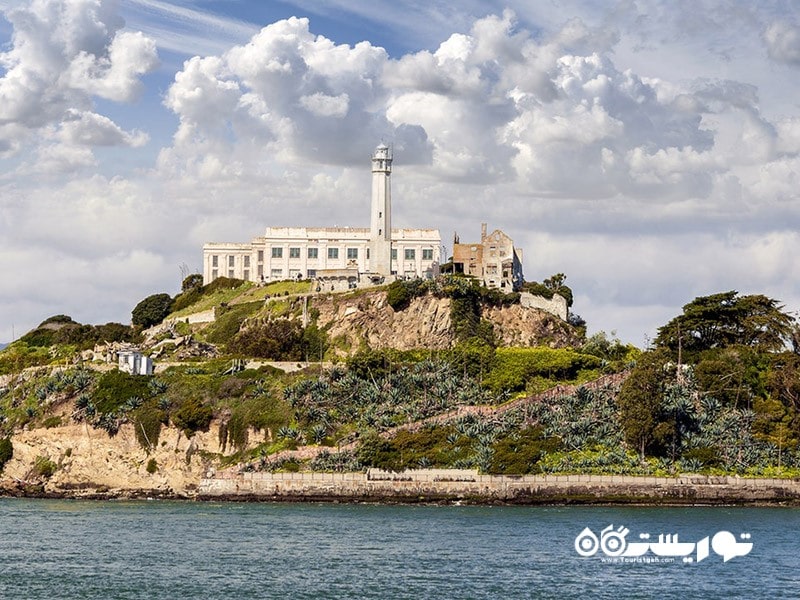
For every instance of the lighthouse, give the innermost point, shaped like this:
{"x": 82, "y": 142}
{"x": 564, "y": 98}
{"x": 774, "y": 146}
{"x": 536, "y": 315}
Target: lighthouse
{"x": 380, "y": 230}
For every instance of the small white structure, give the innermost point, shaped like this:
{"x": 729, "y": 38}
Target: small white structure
{"x": 134, "y": 362}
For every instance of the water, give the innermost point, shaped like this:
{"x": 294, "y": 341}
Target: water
{"x": 75, "y": 549}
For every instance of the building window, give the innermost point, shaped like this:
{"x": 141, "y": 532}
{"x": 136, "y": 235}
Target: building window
{"x": 367, "y": 253}
{"x": 294, "y": 273}
{"x": 261, "y": 256}
{"x": 394, "y": 253}
{"x": 246, "y": 275}
{"x": 410, "y": 254}
{"x": 231, "y": 261}
{"x": 312, "y": 273}
{"x": 276, "y": 273}
{"x": 333, "y": 253}
{"x": 246, "y": 263}
{"x": 277, "y": 253}
{"x": 294, "y": 252}
{"x": 352, "y": 253}
{"x": 313, "y": 253}
{"x": 214, "y": 274}
{"x": 230, "y": 273}
{"x": 215, "y": 261}
{"x": 261, "y": 271}
{"x": 427, "y": 254}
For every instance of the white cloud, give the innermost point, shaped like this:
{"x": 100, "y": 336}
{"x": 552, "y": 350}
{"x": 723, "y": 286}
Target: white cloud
{"x": 783, "y": 42}
{"x": 63, "y": 53}
{"x": 628, "y": 146}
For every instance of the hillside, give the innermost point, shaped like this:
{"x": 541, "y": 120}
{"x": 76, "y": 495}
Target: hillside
{"x": 445, "y": 377}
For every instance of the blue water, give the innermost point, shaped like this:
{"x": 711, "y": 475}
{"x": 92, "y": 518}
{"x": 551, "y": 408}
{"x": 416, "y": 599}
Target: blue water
{"x": 74, "y": 549}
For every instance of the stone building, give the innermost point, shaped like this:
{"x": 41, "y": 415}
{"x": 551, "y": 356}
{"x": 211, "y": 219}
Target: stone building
{"x": 337, "y": 257}
{"x": 494, "y": 260}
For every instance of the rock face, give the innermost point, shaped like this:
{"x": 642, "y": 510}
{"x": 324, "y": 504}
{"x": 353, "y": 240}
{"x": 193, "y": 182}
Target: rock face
{"x": 88, "y": 462}
{"x": 366, "y": 319}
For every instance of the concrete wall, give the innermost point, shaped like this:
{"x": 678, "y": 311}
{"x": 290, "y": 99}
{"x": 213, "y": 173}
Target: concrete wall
{"x": 446, "y": 484}
{"x": 557, "y": 306}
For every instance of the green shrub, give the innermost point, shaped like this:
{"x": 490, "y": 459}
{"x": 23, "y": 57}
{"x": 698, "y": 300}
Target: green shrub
{"x": 192, "y": 416}
{"x": 43, "y": 467}
{"x": 398, "y": 296}
{"x": 151, "y": 311}
{"x": 147, "y": 421}
{"x": 520, "y": 452}
{"x": 514, "y": 367}
{"x": 277, "y": 340}
{"x": 6, "y": 452}
{"x": 115, "y": 388}
{"x": 152, "y": 466}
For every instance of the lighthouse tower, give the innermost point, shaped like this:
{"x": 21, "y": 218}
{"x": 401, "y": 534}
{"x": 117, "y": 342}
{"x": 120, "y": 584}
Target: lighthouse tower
{"x": 380, "y": 229}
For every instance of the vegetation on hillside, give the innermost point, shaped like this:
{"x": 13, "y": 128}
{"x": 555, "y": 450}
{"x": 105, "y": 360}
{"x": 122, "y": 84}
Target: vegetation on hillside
{"x": 718, "y": 392}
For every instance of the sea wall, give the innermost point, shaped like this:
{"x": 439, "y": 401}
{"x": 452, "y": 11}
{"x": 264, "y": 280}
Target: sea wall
{"x": 440, "y": 485}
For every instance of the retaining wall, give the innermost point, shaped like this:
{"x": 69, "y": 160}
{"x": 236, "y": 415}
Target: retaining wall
{"x": 453, "y": 485}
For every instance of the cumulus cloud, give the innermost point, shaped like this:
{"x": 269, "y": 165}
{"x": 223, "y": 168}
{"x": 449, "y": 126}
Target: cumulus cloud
{"x": 63, "y": 53}
{"x": 648, "y": 184}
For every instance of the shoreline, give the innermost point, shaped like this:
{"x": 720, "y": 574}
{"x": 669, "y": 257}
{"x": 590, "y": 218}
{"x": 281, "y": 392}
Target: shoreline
{"x": 446, "y": 487}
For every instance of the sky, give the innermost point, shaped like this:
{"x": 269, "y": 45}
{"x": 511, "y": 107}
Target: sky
{"x": 648, "y": 149}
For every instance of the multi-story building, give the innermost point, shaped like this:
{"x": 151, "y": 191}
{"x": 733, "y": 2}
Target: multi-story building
{"x": 494, "y": 260}
{"x": 335, "y": 256}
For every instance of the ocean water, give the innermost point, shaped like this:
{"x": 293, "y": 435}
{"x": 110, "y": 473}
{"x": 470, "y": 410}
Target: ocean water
{"x": 187, "y": 550}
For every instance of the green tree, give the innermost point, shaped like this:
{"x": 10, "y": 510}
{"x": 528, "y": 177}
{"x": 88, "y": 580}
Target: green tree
{"x": 639, "y": 402}
{"x": 151, "y": 311}
{"x": 727, "y": 319}
{"x": 193, "y": 281}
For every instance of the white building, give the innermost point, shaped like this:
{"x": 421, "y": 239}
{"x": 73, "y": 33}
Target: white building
{"x": 134, "y": 362}
{"x": 337, "y": 256}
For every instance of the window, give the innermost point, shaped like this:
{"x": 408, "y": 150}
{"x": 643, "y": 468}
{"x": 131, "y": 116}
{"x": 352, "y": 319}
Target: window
{"x": 214, "y": 274}
{"x": 333, "y": 253}
{"x": 312, "y": 273}
{"x": 277, "y": 253}
{"x": 260, "y": 256}
{"x": 246, "y": 275}
{"x": 394, "y": 253}
{"x": 276, "y": 273}
{"x": 313, "y": 253}
{"x": 367, "y": 253}
{"x": 246, "y": 263}
{"x": 294, "y": 273}
{"x": 410, "y": 254}
{"x": 352, "y": 253}
{"x": 231, "y": 261}
{"x": 230, "y": 274}
{"x": 215, "y": 261}
{"x": 294, "y": 252}
{"x": 261, "y": 271}
{"x": 427, "y": 254}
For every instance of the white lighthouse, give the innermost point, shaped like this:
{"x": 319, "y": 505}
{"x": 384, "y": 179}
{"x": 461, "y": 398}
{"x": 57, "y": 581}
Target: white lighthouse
{"x": 380, "y": 230}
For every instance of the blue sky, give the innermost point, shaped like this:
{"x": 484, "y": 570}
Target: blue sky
{"x": 649, "y": 149}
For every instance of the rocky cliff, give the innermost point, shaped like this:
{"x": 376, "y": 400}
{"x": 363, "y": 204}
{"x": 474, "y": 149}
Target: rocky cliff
{"x": 367, "y": 319}
{"x": 77, "y": 460}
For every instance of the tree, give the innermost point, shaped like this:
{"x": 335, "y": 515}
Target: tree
{"x": 191, "y": 282}
{"x": 727, "y": 319}
{"x": 152, "y": 310}
{"x": 640, "y": 402}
